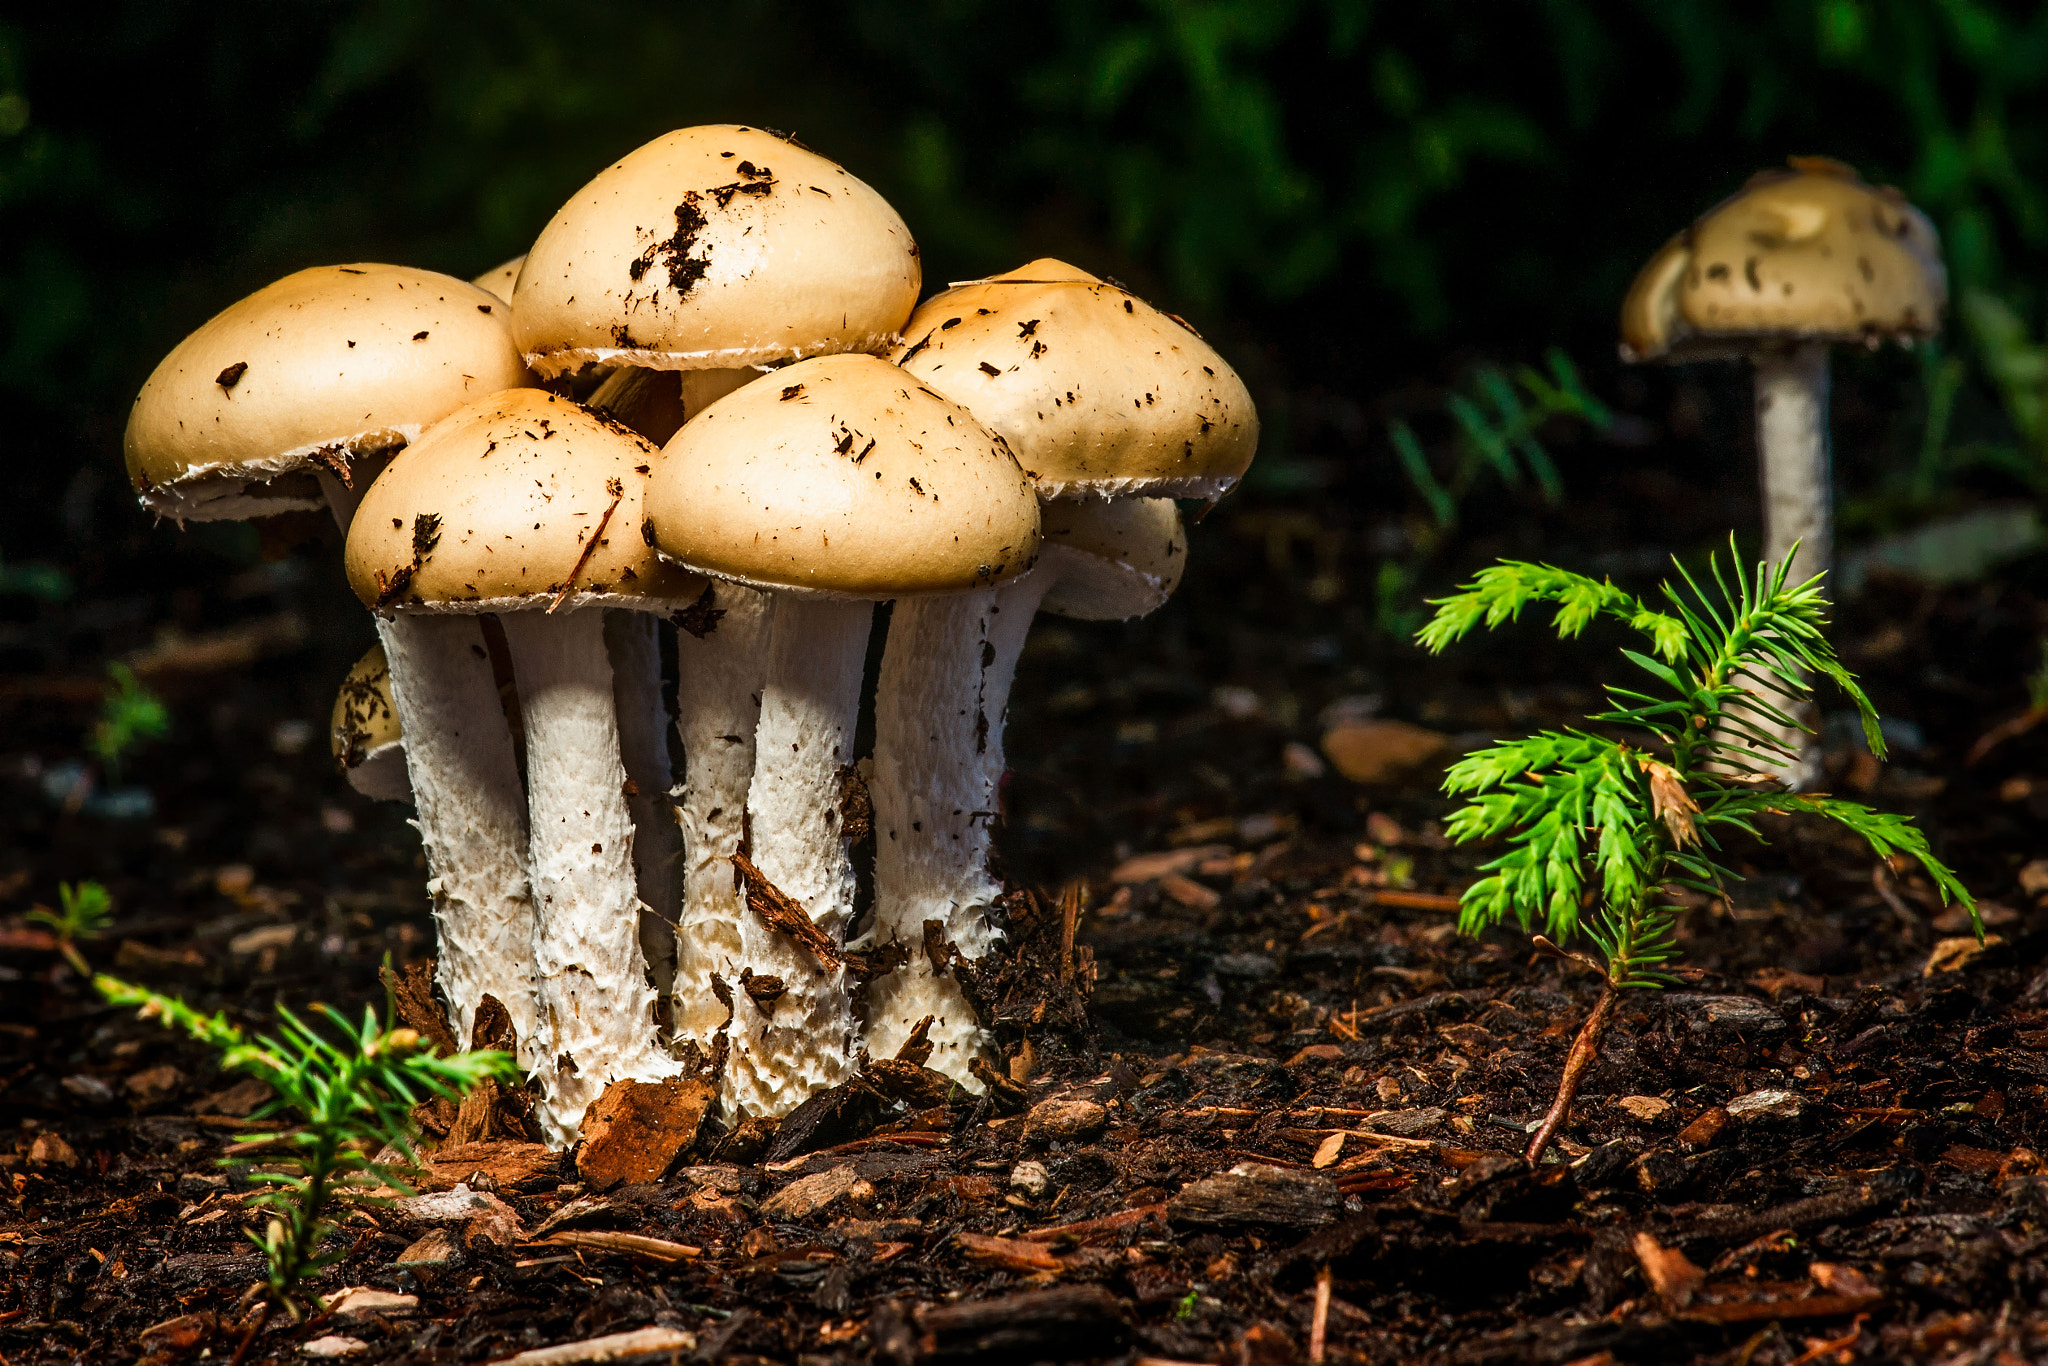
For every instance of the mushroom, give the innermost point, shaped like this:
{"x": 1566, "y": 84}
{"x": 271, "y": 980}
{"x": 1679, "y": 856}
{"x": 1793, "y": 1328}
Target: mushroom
{"x": 1100, "y": 396}
{"x": 691, "y": 264}
{"x": 528, "y": 506}
{"x": 1795, "y": 262}
{"x": 295, "y": 397}
{"x": 937, "y": 782}
{"x": 368, "y": 742}
{"x": 839, "y": 482}
{"x": 500, "y": 278}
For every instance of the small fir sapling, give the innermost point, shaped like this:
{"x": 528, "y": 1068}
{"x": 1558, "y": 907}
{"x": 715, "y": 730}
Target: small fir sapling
{"x": 1610, "y": 823}
{"x": 352, "y": 1096}
{"x": 83, "y": 912}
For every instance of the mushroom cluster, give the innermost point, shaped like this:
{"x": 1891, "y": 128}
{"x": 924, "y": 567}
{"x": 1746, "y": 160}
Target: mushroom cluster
{"x": 704, "y": 412}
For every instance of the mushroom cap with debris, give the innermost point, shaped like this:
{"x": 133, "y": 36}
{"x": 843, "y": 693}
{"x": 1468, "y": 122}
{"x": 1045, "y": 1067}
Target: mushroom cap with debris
{"x": 715, "y": 247}
{"x": 306, "y": 373}
{"x": 496, "y": 508}
{"x": 500, "y": 278}
{"x": 845, "y": 477}
{"x": 1097, "y": 392}
{"x": 1807, "y": 254}
{"x": 1118, "y": 558}
{"x": 368, "y": 742}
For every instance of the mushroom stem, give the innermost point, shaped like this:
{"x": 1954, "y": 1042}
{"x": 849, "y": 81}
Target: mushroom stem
{"x": 1794, "y": 468}
{"x": 363, "y": 470}
{"x": 596, "y": 1007}
{"x": 803, "y": 746}
{"x": 471, "y": 815}
{"x": 718, "y": 706}
{"x": 940, "y": 707}
{"x": 1792, "y": 452}
{"x": 633, "y": 641}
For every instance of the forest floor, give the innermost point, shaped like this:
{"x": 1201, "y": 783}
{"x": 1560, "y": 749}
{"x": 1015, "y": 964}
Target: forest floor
{"x": 1271, "y": 1087}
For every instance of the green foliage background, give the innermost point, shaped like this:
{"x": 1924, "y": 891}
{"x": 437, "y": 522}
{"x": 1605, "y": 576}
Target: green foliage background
{"x": 1337, "y": 189}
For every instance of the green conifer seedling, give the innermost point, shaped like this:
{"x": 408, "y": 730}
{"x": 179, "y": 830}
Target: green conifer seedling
{"x": 351, "y": 1096}
{"x": 1597, "y": 829}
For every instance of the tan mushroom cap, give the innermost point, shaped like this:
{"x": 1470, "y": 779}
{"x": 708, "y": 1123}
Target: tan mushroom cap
{"x": 500, "y": 278}
{"x": 497, "y": 506}
{"x": 368, "y": 743}
{"x": 1807, "y": 254}
{"x": 1095, "y": 390}
{"x": 308, "y": 372}
{"x": 844, "y": 477}
{"x": 715, "y": 247}
{"x": 1127, "y": 556}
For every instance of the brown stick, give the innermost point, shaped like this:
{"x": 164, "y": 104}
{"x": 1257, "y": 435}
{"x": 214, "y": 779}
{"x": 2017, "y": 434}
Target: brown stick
{"x": 261, "y": 1317}
{"x": 1585, "y": 1048}
{"x": 1319, "y": 1327}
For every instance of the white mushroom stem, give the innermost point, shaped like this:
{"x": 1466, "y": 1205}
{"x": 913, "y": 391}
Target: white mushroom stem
{"x": 719, "y": 677}
{"x": 471, "y": 815}
{"x": 804, "y": 742}
{"x": 940, "y": 707}
{"x": 1792, "y": 451}
{"x": 1795, "y": 470}
{"x": 596, "y": 1007}
{"x": 633, "y": 641}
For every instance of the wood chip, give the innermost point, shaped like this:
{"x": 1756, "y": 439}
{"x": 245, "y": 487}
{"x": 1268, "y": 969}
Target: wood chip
{"x": 643, "y": 1345}
{"x": 1010, "y": 1254}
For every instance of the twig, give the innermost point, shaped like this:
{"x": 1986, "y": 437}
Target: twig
{"x": 618, "y": 491}
{"x": 1071, "y": 898}
{"x": 262, "y": 1316}
{"x": 1319, "y": 1327}
{"x": 1585, "y": 1048}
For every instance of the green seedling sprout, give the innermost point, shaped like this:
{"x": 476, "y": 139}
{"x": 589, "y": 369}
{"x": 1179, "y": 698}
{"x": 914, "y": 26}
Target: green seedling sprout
{"x": 352, "y": 1097}
{"x": 83, "y": 914}
{"x": 130, "y": 714}
{"x": 1605, "y": 826}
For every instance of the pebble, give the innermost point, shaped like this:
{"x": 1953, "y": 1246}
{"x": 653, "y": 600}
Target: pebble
{"x": 1031, "y": 1178}
{"x": 50, "y": 1150}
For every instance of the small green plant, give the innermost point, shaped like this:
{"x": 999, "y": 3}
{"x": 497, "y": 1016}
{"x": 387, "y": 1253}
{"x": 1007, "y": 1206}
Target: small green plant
{"x": 1609, "y": 824}
{"x": 83, "y": 912}
{"x": 352, "y": 1097}
{"x": 130, "y": 714}
{"x": 1495, "y": 432}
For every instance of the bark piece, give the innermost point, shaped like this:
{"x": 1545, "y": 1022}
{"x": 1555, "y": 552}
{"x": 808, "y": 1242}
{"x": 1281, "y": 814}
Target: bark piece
{"x": 807, "y": 1195}
{"x": 1065, "y": 1324}
{"x": 505, "y": 1165}
{"x": 636, "y": 1129}
{"x": 1254, "y": 1195}
{"x": 1065, "y": 1120}
{"x": 412, "y": 995}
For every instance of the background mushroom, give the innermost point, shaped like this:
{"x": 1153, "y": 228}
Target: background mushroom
{"x": 528, "y": 505}
{"x": 1797, "y": 261}
{"x": 942, "y": 771}
{"x": 500, "y": 278}
{"x": 1100, "y": 395}
{"x": 839, "y": 482}
{"x": 368, "y": 742}
{"x": 690, "y": 264}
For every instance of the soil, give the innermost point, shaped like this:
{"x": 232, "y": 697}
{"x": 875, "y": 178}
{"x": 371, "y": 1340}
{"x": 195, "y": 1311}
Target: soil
{"x": 1269, "y": 1076}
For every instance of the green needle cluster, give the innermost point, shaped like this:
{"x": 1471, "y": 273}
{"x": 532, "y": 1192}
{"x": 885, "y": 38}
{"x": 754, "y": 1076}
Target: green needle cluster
{"x": 1609, "y": 824}
{"x": 351, "y": 1097}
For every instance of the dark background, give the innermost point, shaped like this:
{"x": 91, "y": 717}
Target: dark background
{"x": 1359, "y": 203}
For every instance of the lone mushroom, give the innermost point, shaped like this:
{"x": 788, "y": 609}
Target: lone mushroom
{"x": 840, "y": 482}
{"x": 1797, "y": 261}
